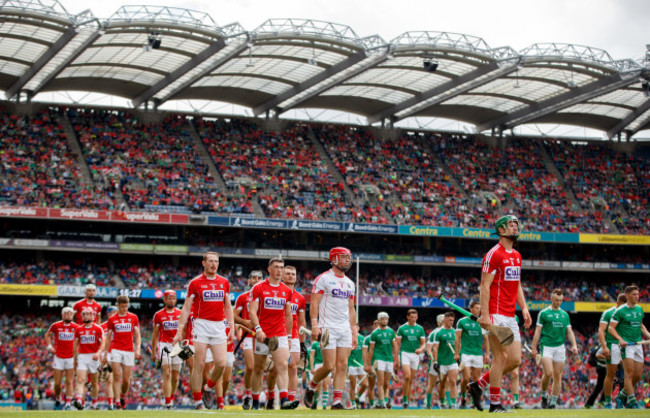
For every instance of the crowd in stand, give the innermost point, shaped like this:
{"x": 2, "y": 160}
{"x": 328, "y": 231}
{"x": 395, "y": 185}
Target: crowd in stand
{"x": 427, "y": 179}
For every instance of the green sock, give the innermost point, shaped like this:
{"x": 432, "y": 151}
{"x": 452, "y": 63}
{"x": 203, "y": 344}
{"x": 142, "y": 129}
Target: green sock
{"x": 463, "y": 394}
{"x": 386, "y": 400}
{"x": 453, "y": 403}
{"x": 516, "y": 395}
{"x": 448, "y": 398}
{"x": 326, "y": 398}
{"x": 372, "y": 402}
{"x": 608, "y": 400}
{"x": 404, "y": 399}
{"x": 354, "y": 404}
{"x": 544, "y": 395}
{"x": 631, "y": 399}
{"x": 553, "y": 400}
{"x": 622, "y": 395}
{"x": 429, "y": 396}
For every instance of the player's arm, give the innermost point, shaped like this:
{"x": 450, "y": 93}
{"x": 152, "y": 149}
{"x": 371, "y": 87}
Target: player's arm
{"x": 612, "y": 330}
{"x": 434, "y": 351}
{"x": 536, "y": 336}
{"x": 288, "y": 318}
{"x": 430, "y": 347}
{"x": 182, "y": 320}
{"x": 396, "y": 364}
{"x": 48, "y": 341}
{"x": 365, "y": 355}
{"x": 313, "y": 314}
{"x": 138, "y": 341}
{"x": 521, "y": 301}
{"x": 644, "y": 331}
{"x": 572, "y": 339}
{"x": 459, "y": 333}
{"x": 371, "y": 351}
{"x": 75, "y": 348}
{"x": 423, "y": 345}
{"x": 238, "y": 318}
{"x": 353, "y": 322}
{"x": 107, "y": 341}
{"x": 227, "y": 309}
{"x": 486, "y": 282}
{"x": 302, "y": 322}
{"x": 155, "y": 334}
{"x": 602, "y": 330}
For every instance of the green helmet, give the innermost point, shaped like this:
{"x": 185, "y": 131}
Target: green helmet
{"x": 502, "y": 222}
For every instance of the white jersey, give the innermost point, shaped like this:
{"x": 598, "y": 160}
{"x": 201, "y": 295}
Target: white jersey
{"x": 334, "y": 307}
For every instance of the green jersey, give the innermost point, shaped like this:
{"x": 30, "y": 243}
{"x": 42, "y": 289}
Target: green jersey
{"x": 445, "y": 337}
{"x": 411, "y": 337}
{"x": 432, "y": 335}
{"x": 318, "y": 356}
{"x": 356, "y": 355}
{"x": 554, "y": 324}
{"x": 606, "y": 317}
{"x": 629, "y": 322}
{"x": 383, "y": 340}
{"x": 366, "y": 341}
{"x": 471, "y": 337}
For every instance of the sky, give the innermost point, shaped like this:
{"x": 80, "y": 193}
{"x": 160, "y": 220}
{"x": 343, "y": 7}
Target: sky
{"x": 618, "y": 26}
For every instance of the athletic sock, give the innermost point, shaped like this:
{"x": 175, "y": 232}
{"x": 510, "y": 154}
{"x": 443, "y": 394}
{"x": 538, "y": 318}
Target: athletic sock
{"x": 210, "y": 384}
{"x": 608, "y": 400}
{"x": 495, "y": 396}
{"x": 292, "y": 395}
{"x": 448, "y": 398}
{"x": 372, "y": 403}
{"x": 429, "y": 397}
{"x": 283, "y": 394}
{"x": 453, "y": 403}
{"x": 516, "y": 396}
{"x": 338, "y": 394}
{"x": 631, "y": 399}
{"x": 312, "y": 385}
{"x": 219, "y": 401}
{"x": 249, "y": 393}
{"x": 326, "y": 398}
{"x": 553, "y": 400}
{"x": 622, "y": 395}
{"x": 544, "y": 395}
{"x": 405, "y": 399}
{"x": 197, "y": 397}
{"x": 168, "y": 400}
{"x": 484, "y": 381}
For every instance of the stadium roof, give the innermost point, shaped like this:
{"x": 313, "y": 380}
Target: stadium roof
{"x": 151, "y": 55}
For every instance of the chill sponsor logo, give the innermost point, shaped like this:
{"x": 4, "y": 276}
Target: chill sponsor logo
{"x": 66, "y": 336}
{"x": 512, "y": 273}
{"x": 342, "y": 294}
{"x": 213, "y": 295}
{"x": 123, "y": 327}
{"x": 274, "y": 303}
{"x": 169, "y": 325}
{"x": 87, "y": 339}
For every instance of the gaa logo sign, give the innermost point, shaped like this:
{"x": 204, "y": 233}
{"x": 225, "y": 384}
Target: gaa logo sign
{"x": 512, "y": 273}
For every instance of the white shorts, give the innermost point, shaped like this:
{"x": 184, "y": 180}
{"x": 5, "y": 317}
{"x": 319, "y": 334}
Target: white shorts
{"x": 507, "y": 321}
{"x": 356, "y": 371}
{"x": 209, "y": 332}
{"x": 634, "y": 352}
{"x": 295, "y": 345}
{"x": 472, "y": 361}
{"x": 63, "y": 363}
{"x": 410, "y": 359}
{"x": 175, "y": 362}
{"x": 86, "y": 362}
{"x": 384, "y": 366}
{"x": 263, "y": 349}
{"x": 615, "y": 354}
{"x": 230, "y": 359}
{"x": 247, "y": 344}
{"x": 127, "y": 358}
{"x": 445, "y": 369}
{"x": 340, "y": 337}
{"x": 557, "y": 354}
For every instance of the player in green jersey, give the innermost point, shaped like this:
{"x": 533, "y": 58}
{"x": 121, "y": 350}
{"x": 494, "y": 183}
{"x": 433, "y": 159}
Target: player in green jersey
{"x": 355, "y": 369}
{"x": 433, "y": 373}
{"x": 411, "y": 342}
{"x": 611, "y": 350}
{"x": 383, "y": 350}
{"x": 443, "y": 356}
{"x": 627, "y": 327}
{"x": 367, "y": 366}
{"x": 470, "y": 341}
{"x": 553, "y": 326}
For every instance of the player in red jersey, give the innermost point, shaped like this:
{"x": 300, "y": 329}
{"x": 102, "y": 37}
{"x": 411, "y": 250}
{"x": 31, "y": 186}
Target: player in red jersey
{"x": 208, "y": 298}
{"x": 501, "y": 291}
{"x": 87, "y": 342}
{"x": 243, "y": 318}
{"x": 270, "y": 314}
{"x": 60, "y": 340}
{"x": 165, "y": 325}
{"x": 123, "y": 327}
{"x": 105, "y": 359}
{"x": 298, "y": 307}
{"x": 88, "y": 302}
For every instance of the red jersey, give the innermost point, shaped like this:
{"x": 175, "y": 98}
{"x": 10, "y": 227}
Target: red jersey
{"x": 506, "y": 266}
{"x": 242, "y": 304}
{"x": 209, "y": 296}
{"x": 63, "y": 338}
{"x": 167, "y": 323}
{"x": 79, "y": 306}
{"x": 104, "y": 326}
{"x": 297, "y": 305}
{"x": 270, "y": 311}
{"x": 123, "y": 328}
{"x": 89, "y": 338}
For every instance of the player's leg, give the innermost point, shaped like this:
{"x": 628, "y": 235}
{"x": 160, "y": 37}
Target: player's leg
{"x": 271, "y": 382}
{"x": 117, "y": 379}
{"x": 259, "y": 360}
{"x": 94, "y": 392}
{"x": 176, "y": 371}
{"x": 452, "y": 378}
{"x": 325, "y": 386}
{"x": 219, "y": 354}
{"x": 352, "y": 389}
{"x": 82, "y": 376}
{"x": 109, "y": 392}
{"x": 340, "y": 373}
{"x": 196, "y": 378}
{"x": 638, "y": 363}
{"x": 281, "y": 362}
{"x": 381, "y": 376}
{"x": 514, "y": 384}
{"x": 293, "y": 370}
{"x": 558, "y": 370}
{"x": 167, "y": 381}
{"x": 547, "y": 374}
{"x": 126, "y": 381}
{"x": 467, "y": 372}
{"x": 249, "y": 363}
{"x": 69, "y": 384}
{"x": 433, "y": 379}
{"x": 407, "y": 375}
{"x": 329, "y": 361}
{"x": 370, "y": 390}
{"x": 58, "y": 379}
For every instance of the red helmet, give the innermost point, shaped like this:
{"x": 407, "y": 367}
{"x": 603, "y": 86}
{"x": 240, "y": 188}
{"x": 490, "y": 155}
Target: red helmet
{"x": 337, "y": 251}
{"x": 169, "y": 292}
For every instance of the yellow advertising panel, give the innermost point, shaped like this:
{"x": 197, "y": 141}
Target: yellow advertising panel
{"x": 28, "y": 289}
{"x": 614, "y": 239}
{"x": 602, "y": 306}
